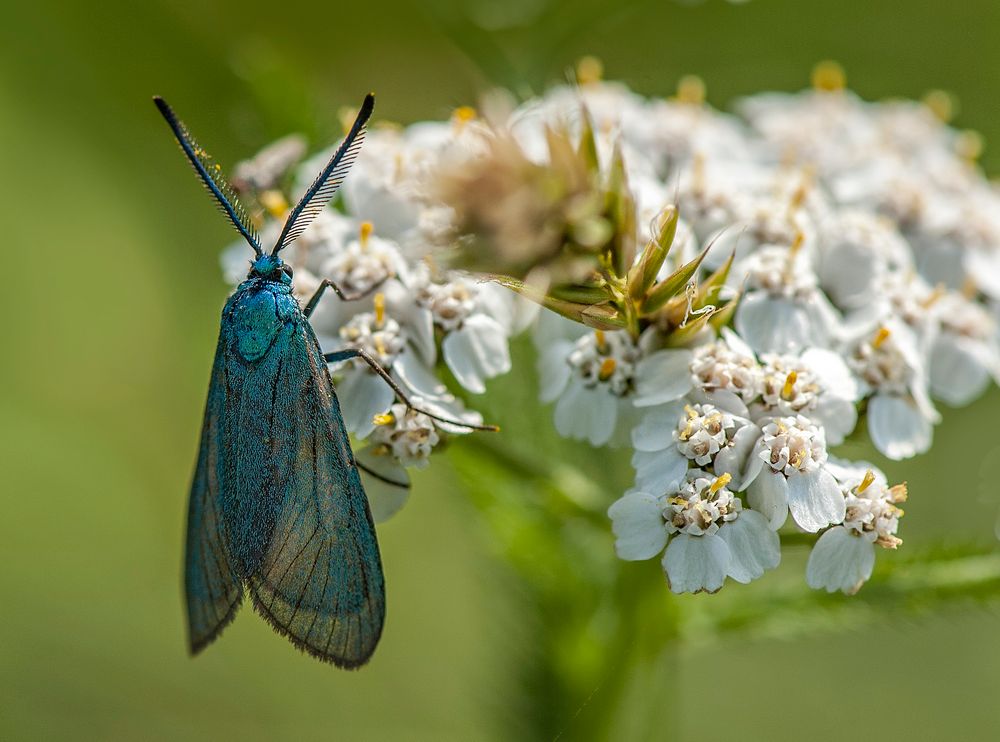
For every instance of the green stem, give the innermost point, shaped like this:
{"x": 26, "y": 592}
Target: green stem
{"x": 594, "y": 627}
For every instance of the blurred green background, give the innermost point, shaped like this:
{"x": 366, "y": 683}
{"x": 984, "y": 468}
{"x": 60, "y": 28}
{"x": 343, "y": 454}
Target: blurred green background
{"x": 110, "y": 314}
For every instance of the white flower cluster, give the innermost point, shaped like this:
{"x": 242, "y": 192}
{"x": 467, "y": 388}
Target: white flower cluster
{"x": 861, "y": 239}
{"x": 866, "y": 247}
{"x": 410, "y": 316}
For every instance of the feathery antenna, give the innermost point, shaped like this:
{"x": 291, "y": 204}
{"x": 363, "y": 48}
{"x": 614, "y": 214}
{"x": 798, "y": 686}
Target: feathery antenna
{"x": 322, "y": 190}
{"x": 211, "y": 176}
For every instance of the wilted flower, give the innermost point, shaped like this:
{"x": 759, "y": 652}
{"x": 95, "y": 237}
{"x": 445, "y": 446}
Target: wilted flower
{"x": 514, "y": 215}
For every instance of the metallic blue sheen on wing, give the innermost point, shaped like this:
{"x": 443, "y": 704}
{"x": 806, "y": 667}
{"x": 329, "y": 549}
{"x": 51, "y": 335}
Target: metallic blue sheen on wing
{"x": 277, "y": 502}
{"x": 277, "y": 506}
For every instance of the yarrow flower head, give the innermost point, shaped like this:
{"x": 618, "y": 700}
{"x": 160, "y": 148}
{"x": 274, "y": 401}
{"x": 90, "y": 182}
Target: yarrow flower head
{"x": 591, "y": 375}
{"x": 707, "y": 533}
{"x": 730, "y": 295}
{"x": 793, "y": 476}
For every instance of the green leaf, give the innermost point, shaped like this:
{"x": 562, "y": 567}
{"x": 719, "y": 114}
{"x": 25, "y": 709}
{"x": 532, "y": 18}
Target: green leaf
{"x": 588, "y": 142}
{"x": 708, "y": 291}
{"x": 622, "y": 211}
{"x": 643, "y": 274}
{"x": 671, "y": 286}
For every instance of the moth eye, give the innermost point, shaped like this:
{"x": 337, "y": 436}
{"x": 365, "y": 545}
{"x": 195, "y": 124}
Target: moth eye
{"x": 287, "y": 270}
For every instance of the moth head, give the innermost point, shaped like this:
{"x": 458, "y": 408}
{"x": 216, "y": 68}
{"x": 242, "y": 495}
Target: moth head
{"x": 271, "y": 268}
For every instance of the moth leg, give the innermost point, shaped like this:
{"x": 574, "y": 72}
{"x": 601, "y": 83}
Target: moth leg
{"x": 328, "y": 284}
{"x": 349, "y": 353}
{"x": 384, "y": 479}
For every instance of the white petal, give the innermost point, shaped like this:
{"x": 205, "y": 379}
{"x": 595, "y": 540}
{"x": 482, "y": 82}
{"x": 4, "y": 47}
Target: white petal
{"x": 737, "y": 344}
{"x": 550, "y": 327}
{"x": 837, "y": 415}
{"x": 724, "y": 399}
{"x": 660, "y": 471}
{"x": 833, "y": 373}
{"x": 384, "y": 498}
{"x": 768, "y": 495}
{"x": 773, "y": 325}
{"x": 753, "y": 546}
{"x": 476, "y": 352}
{"x": 656, "y": 431}
{"x": 983, "y": 266}
{"x": 737, "y": 460}
{"x": 363, "y": 395}
{"x": 420, "y": 323}
{"x": 815, "y": 499}
{"x": 696, "y": 563}
{"x": 637, "y": 522}
{"x": 418, "y": 378}
{"x": 586, "y": 414}
{"x": 554, "y": 370}
{"x": 235, "y": 261}
{"x": 957, "y": 374}
{"x": 840, "y": 561}
{"x": 662, "y": 376}
{"x": 603, "y": 417}
{"x": 570, "y": 416}
{"x": 897, "y": 427}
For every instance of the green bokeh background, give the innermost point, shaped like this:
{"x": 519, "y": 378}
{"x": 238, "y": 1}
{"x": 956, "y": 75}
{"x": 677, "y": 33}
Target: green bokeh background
{"x": 110, "y": 307}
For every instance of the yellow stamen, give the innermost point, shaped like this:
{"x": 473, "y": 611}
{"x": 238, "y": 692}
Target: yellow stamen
{"x": 969, "y": 145}
{"x": 969, "y": 288}
{"x": 364, "y": 232}
{"x": 898, "y": 492}
{"x": 713, "y": 423}
{"x": 677, "y": 501}
{"x": 691, "y": 412}
{"x": 799, "y": 196}
{"x": 797, "y": 243}
{"x": 889, "y": 542}
{"x": 463, "y": 115}
{"x": 866, "y": 482}
{"x": 607, "y": 368}
{"x": 880, "y": 337}
{"x": 386, "y": 418}
{"x": 589, "y": 69}
{"x": 379, "y": 302}
{"x": 698, "y": 172}
{"x": 380, "y": 346}
{"x": 720, "y": 482}
{"x": 941, "y": 103}
{"x": 933, "y": 297}
{"x": 828, "y": 77}
{"x": 274, "y": 202}
{"x": 789, "y": 388}
{"x": 691, "y": 89}
{"x": 602, "y": 345}
{"x": 793, "y": 252}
